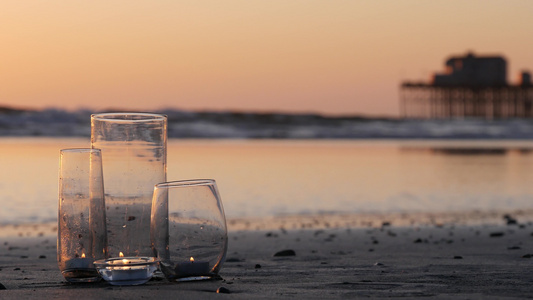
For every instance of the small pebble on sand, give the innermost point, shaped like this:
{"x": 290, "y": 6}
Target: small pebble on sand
{"x": 223, "y": 290}
{"x": 288, "y": 252}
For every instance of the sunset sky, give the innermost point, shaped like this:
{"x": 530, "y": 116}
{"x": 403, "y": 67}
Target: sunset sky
{"x": 331, "y": 56}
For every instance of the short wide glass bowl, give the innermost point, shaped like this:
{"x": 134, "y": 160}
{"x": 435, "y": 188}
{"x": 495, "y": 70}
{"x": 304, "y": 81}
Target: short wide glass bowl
{"x": 127, "y": 270}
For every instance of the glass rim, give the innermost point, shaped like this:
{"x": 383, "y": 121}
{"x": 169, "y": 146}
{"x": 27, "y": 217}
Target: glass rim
{"x": 128, "y": 117}
{"x": 80, "y": 150}
{"x": 185, "y": 183}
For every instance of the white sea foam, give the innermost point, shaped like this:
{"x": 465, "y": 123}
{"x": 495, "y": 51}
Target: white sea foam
{"x": 182, "y": 124}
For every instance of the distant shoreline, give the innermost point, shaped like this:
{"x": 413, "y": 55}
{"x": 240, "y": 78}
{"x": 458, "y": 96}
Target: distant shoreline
{"x": 250, "y": 125}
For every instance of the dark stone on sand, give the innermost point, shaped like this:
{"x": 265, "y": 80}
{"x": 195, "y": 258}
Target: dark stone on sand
{"x": 234, "y": 259}
{"x": 458, "y": 257}
{"x": 288, "y": 252}
{"x": 223, "y": 290}
{"x": 318, "y": 232}
{"x": 527, "y": 255}
{"x": 258, "y": 266}
{"x": 417, "y": 241}
{"x": 270, "y": 234}
{"x": 42, "y": 256}
{"x": 23, "y": 256}
{"x": 131, "y": 218}
{"x": 386, "y": 223}
{"x": 156, "y": 278}
{"x": 497, "y": 234}
{"x": 16, "y": 269}
{"x": 2, "y": 287}
{"x": 378, "y": 264}
{"x": 513, "y": 248}
{"x": 510, "y": 220}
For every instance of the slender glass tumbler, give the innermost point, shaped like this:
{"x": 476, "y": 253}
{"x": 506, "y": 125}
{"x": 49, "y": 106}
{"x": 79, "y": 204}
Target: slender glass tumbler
{"x": 81, "y": 215}
{"x": 188, "y": 229}
{"x": 134, "y": 159}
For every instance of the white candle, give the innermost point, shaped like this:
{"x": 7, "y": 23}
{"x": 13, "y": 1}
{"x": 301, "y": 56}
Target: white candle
{"x": 127, "y": 270}
{"x": 124, "y": 269}
{"x": 192, "y": 268}
{"x": 129, "y": 273}
{"x": 79, "y": 263}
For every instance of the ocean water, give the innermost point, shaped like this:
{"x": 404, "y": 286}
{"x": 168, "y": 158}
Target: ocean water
{"x": 261, "y": 178}
{"x": 184, "y": 124}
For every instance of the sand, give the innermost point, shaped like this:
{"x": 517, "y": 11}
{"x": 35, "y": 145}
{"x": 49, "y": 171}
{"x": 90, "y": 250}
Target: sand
{"x": 374, "y": 256}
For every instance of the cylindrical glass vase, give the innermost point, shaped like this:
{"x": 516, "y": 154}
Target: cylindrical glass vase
{"x": 134, "y": 159}
{"x": 81, "y": 215}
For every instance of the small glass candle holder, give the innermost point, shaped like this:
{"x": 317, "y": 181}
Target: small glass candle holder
{"x": 81, "y": 214}
{"x": 127, "y": 270}
{"x": 188, "y": 229}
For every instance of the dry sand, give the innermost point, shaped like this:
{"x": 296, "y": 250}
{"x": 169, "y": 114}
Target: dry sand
{"x": 455, "y": 256}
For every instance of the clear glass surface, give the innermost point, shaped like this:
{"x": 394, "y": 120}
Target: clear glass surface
{"x": 188, "y": 229}
{"x": 81, "y": 214}
{"x": 134, "y": 159}
{"x": 127, "y": 270}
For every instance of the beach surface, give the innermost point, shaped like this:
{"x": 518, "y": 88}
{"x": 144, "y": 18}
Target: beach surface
{"x": 459, "y": 256}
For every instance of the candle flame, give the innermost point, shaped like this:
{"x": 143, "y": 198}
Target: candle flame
{"x": 121, "y": 254}
{"x": 83, "y": 255}
{"x": 191, "y": 259}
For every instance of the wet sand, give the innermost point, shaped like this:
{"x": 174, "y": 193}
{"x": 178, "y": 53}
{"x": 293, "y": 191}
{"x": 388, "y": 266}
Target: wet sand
{"x": 378, "y": 256}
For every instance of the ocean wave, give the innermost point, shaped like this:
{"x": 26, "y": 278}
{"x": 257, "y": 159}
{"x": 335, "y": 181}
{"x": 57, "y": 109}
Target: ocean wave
{"x": 186, "y": 124}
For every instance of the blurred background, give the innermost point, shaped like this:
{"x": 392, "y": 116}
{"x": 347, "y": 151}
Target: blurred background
{"x": 295, "y": 107}
{"x": 328, "y": 57}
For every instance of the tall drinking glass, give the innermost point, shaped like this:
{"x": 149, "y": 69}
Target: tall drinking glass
{"x": 188, "y": 229}
{"x": 81, "y": 215}
{"x": 134, "y": 159}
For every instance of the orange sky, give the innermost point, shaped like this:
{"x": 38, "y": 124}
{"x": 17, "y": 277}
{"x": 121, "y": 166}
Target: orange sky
{"x": 330, "y": 57}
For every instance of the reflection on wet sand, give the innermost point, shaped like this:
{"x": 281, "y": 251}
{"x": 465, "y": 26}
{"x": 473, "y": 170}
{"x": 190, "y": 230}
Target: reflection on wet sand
{"x": 469, "y": 147}
{"x": 478, "y": 151}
